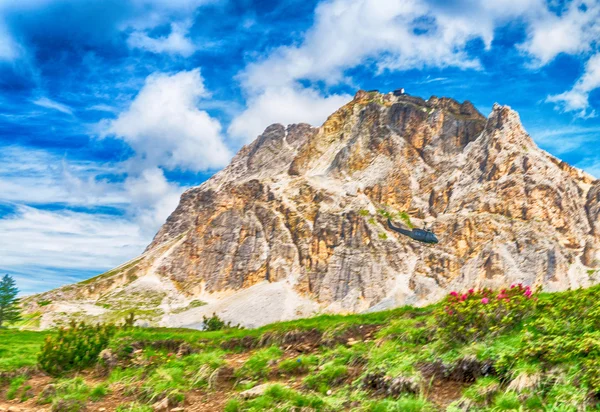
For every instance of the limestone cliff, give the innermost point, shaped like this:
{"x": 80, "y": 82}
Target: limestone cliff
{"x": 296, "y": 223}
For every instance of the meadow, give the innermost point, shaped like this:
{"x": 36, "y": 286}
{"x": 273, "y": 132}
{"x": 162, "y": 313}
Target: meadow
{"x": 477, "y": 350}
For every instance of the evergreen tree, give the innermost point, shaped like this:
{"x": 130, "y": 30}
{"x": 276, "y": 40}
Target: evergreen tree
{"x": 9, "y": 304}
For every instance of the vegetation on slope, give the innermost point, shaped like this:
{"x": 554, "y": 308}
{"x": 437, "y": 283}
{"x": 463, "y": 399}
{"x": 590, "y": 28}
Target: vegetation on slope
{"x": 477, "y": 350}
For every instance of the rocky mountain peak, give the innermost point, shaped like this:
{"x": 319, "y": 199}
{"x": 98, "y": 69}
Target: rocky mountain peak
{"x": 297, "y": 223}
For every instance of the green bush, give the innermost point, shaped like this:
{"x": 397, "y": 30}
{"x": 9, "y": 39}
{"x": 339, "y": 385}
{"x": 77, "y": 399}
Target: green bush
{"x": 479, "y": 314}
{"x": 74, "y": 348}
{"x": 216, "y": 323}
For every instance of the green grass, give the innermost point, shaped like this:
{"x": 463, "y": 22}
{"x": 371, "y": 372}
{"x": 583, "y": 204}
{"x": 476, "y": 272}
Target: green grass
{"x": 329, "y": 375}
{"x": 298, "y": 365}
{"x": 280, "y": 398}
{"x": 406, "y": 219}
{"x": 259, "y": 364}
{"x": 134, "y": 407}
{"x": 14, "y": 387}
{"x": 558, "y": 342}
{"x": 73, "y": 394}
{"x": 19, "y": 349}
{"x": 193, "y": 304}
{"x": 403, "y": 404}
{"x": 110, "y": 273}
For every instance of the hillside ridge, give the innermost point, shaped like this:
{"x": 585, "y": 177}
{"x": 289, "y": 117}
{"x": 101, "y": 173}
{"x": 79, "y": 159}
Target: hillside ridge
{"x": 295, "y": 224}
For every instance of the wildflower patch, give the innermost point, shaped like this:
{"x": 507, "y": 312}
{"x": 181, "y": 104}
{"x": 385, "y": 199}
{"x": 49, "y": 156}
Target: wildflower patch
{"x": 475, "y": 314}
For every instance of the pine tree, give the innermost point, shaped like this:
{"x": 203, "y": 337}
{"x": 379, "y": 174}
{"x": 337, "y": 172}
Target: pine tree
{"x": 9, "y": 304}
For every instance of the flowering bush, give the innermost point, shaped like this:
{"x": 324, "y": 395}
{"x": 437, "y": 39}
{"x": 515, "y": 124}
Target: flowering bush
{"x": 475, "y": 314}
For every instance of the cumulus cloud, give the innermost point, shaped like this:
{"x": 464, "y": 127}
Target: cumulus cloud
{"x": 152, "y": 198}
{"x": 574, "y": 31}
{"x": 577, "y": 99}
{"x": 176, "y": 42}
{"x": 346, "y": 32}
{"x": 393, "y": 35}
{"x": 51, "y": 104}
{"x": 165, "y": 128}
{"x": 284, "y": 105}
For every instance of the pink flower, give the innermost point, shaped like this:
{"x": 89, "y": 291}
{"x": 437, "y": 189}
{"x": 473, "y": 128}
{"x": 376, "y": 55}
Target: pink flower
{"x": 527, "y": 292}
{"x": 471, "y": 291}
{"x": 453, "y": 293}
{"x": 463, "y": 297}
{"x": 485, "y": 301}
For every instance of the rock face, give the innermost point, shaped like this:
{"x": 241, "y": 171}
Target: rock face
{"x": 296, "y": 223}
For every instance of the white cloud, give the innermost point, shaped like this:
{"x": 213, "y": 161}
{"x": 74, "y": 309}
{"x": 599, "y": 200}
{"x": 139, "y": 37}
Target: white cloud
{"x": 577, "y": 99}
{"x": 8, "y": 47}
{"x": 284, "y": 105}
{"x": 572, "y": 32}
{"x": 152, "y": 197}
{"x": 590, "y": 165}
{"x": 66, "y": 239}
{"x": 102, "y": 108}
{"x": 92, "y": 224}
{"x": 393, "y": 34}
{"x": 565, "y": 139}
{"x": 165, "y": 128}
{"x": 51, "y": 104}
{"x": 36, "y": 176}
{"x": 176, "y": 42}
{"x": 346, "y": 32}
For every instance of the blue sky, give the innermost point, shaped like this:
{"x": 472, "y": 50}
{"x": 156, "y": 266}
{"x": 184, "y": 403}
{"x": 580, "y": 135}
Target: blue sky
{"x": 109, "y": 109}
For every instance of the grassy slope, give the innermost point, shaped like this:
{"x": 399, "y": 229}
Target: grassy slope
{"x": 384, "y": 361}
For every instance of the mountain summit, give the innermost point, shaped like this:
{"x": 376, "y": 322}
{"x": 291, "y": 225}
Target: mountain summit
{"x": 297, "y": 223}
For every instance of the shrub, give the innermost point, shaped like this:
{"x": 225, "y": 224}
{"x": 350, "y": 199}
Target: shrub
{"x": 476, "y": 314}
{"x": 74, "y": 348}
{"x": 216, "y": 323}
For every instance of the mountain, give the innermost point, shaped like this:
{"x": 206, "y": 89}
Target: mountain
{"x": 296, "y": 224}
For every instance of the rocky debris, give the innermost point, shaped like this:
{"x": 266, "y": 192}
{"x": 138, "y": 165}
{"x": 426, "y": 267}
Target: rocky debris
{"x": 465, "y": 405}
{"x": 255, "y": 392}
{"x": 67, "y": 405}
{"x": 465, "y": 370}
{"x": 525, "y": 382}
{"x": 184, "y": 350}
{"x": 383, "y": 384}
{"x": 221, "y": 377}
{"x": 161, "y": 406}
{"x": 107, "y": 361}
{"x": 245, "y": 343}
{"x": 298, "y": 208}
